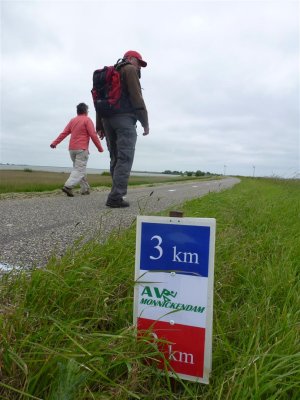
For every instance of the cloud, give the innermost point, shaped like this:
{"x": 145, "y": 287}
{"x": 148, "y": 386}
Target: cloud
{"x": 221, "y": 86}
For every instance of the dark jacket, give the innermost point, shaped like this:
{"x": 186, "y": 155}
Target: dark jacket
{"x": 131, "y": 88}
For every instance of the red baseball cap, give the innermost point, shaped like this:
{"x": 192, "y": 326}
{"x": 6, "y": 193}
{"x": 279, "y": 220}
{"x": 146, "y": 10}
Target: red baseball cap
{"x": 132, "y": 53}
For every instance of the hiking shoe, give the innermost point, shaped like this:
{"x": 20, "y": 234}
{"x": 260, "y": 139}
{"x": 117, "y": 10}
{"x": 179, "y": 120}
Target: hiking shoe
{"x": 86, "y": 192}
{"x": 68, "y": 191}
{"x": 117, "y": 203}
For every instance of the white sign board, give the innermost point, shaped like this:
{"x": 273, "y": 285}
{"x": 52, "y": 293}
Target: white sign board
{"x": 173, "y": 297}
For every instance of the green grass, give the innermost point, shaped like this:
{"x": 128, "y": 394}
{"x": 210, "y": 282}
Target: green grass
{"x": 16, "y": 181}
{"x": 67, "y": 331}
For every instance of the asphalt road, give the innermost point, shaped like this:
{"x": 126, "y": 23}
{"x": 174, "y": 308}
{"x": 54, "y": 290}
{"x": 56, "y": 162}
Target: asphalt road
{"x": 34, "y": 228}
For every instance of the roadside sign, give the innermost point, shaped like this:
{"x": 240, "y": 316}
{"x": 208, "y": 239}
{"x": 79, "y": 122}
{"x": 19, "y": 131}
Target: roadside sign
{"x": 173, "y": 299}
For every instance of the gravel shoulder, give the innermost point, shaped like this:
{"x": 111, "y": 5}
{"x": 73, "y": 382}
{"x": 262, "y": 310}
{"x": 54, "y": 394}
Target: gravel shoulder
{"x": 36, "y": 226}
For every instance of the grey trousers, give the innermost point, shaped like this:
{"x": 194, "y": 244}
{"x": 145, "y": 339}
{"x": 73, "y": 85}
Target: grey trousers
{"x": 121, "y": 136}
{"x": 78, "y": 174}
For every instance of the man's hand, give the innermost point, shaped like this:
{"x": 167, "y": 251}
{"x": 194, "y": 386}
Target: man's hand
{"x": 146, "y": 131}
{"x": 101, "y": 134}
{"x": 52, "y": 146}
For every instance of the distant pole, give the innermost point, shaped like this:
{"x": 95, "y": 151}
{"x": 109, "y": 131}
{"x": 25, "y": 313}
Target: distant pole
{"x": 225, "y": 169}
{"x": 253, "y": 171}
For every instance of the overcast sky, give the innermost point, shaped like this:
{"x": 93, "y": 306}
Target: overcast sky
{"x": 221, "y": 85}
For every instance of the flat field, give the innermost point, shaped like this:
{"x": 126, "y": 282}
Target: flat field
{"x": 18, "y": 181}
{"x": 67, "y": 334}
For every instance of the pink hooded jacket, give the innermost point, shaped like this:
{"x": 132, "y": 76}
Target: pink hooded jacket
{"x": 82, "y": 130}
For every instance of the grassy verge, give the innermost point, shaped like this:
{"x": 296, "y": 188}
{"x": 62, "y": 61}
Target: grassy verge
{"x": 67, "y": 331}
{"x": 15, "y": 181}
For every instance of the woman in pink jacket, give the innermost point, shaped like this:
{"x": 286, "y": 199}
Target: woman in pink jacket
{"x": 82, "y": 130}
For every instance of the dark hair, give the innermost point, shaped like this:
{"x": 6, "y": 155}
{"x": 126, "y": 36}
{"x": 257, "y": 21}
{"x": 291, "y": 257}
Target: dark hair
{"x": 82, "y": 108}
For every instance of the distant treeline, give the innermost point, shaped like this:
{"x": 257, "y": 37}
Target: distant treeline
{"x": 188, "y": 173}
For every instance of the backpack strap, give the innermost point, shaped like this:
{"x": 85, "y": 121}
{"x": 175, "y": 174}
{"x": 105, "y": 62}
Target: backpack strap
{"x": 121, "y": 63}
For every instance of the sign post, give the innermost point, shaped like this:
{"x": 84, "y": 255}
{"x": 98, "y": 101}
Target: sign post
{"x": 173, "y": 299}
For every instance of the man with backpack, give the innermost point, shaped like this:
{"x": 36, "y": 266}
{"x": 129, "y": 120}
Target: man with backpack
{"x": 81, "y": 129}
{"x": 119, "y": 105}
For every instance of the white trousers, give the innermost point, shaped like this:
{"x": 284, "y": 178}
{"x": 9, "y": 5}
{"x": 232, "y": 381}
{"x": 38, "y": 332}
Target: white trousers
{"x": 78, "y": 174}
